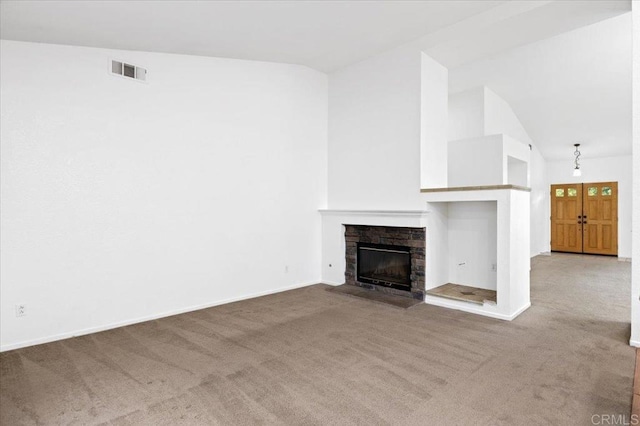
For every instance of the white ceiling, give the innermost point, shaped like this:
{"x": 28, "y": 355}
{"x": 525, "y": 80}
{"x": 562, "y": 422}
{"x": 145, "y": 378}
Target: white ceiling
{"x": 513, "y": 24}
{"x": 325, "y": 35}
{"x": 565, "y": 87}
{"x": 571, "y": 88}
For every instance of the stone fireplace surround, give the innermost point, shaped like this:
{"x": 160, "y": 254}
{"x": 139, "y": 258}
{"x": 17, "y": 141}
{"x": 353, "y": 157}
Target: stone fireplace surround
{"x": 414, "y": 238}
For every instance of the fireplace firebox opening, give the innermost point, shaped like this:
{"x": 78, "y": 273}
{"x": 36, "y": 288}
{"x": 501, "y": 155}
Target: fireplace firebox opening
{"x": 386, "y": 265}
{"x": 389, "y": 259}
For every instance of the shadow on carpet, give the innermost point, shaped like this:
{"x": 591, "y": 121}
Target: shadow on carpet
{"x": 375, "y": 296}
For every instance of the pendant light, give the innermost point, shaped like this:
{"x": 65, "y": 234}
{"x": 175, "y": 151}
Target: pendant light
{"x": 576, "y": 169}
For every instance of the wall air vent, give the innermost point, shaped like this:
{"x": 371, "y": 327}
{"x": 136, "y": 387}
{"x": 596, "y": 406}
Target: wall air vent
{"x": 129, "y": 71}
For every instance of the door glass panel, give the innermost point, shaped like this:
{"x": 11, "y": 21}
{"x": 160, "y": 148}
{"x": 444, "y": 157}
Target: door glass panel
{"x": 560, "y": 192}
{"x": 606, "y": 190}
{"x": 572, "y": 192}
{"x": 592, "y": 191}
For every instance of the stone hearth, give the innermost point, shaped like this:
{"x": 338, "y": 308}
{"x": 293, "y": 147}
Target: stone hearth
{"x": 414, "y": 238}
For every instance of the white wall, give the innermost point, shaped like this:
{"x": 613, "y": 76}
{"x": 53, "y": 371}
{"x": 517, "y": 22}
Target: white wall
{"x": 517, "y": 252}
{"x": 374, "y": 132}
{"x": 515, "y": 150}
{"x": 601, "y": 170}
{"x": 473, "y": 225}
{"x": 481, "y": 112}
{"x": 635, "y": 283}
{"x": 476, "y": 161}
{"x": 123, "y": 201}
{"x": 540, "y": 204}
{"x": 433, "y": 127}
{"x": 437, "y": 250}
{"x": 488, "y": 160}
{"x": 500, "y": 118}
{"x": 517, "y": 172}
{"x": 466, "y": 114}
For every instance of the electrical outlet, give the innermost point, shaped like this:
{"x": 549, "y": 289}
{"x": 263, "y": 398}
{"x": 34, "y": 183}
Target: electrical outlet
{"x": 21, "y": 310}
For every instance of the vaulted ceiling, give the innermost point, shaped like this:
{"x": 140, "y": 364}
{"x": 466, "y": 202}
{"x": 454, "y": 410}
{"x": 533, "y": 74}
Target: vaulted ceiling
{"x": 324, "y": 35}
{"x": 563, "y": 65}
{"x": 571, "y": 88}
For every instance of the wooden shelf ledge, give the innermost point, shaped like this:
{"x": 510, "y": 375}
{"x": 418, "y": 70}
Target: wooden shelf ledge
{"x": 477, "y": 188}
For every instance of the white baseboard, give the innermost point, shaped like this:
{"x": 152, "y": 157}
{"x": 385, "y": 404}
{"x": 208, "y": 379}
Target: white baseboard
{"x": 472, "y": 308}
{"x": 519, "y": 311}
{"x": 82, "y": 332}
{"x": 634, "y": 343}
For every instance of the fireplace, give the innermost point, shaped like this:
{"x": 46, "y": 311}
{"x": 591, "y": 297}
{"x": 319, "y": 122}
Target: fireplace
{"x": 389, "y": 259}
{"x": 385, "y": 265}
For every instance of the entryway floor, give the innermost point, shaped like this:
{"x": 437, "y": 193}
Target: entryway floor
{"x": 464, "y": 293}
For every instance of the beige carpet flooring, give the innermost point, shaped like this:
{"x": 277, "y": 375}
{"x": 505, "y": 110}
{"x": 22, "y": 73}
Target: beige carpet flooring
{"x": 375, "y": 296}
{"x": 310, "y": 356}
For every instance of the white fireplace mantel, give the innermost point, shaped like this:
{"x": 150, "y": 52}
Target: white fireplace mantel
{"x": 410, "y": 213}
{"x": 333, "y": 242}
{"x": 409, "y": 218}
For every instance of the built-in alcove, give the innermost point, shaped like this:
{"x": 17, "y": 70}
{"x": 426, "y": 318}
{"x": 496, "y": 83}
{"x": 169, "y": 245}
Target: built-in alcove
{"x": 481, "y": 235}
{"x": 517, "y": 171}
{"x": 471, "y": 245}
{"x": 473, "y": 237}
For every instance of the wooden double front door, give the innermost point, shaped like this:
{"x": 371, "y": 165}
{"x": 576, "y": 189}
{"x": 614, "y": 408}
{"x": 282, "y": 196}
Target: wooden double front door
{"x": 584, "y": 218}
